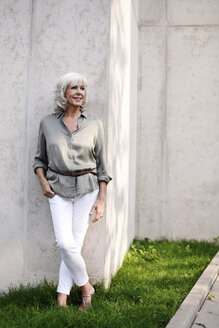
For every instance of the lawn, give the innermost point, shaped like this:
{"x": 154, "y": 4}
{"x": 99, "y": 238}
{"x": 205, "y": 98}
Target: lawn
{"x": 146, "y": 292}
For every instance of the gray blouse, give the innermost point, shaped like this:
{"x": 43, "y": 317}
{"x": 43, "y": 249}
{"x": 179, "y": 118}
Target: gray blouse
{"x": 63, "y": 151}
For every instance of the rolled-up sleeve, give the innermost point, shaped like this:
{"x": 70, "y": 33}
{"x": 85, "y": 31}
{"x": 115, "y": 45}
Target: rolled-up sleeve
{"x": 100, "y": 155}
{"x": 40, "y": 159}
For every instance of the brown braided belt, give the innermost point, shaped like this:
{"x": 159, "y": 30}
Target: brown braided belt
{"x": 76, "y": 173}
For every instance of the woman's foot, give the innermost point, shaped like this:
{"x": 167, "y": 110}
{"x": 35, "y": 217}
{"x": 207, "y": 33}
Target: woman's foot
{"x": 87, "y": 292}
{"x": 62, "y": 300}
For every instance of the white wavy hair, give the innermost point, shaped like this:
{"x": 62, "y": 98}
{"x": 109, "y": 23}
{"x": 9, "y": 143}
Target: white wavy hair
{"x": 65, "y": 81}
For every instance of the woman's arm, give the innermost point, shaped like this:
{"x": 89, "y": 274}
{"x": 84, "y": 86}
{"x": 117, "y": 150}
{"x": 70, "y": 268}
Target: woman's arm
{"x": 47, "y": 191}
{"x": 40, "y": 159}
{"x": 99, "y": 205}
{"x": 41, "y": 163}
{"x": 102, "y": 176}
{"x": 102, "y": 191}
{"x": 100, "y": 155}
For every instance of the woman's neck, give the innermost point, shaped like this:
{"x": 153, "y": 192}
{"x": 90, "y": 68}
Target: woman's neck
{"x": 72, "y": 112}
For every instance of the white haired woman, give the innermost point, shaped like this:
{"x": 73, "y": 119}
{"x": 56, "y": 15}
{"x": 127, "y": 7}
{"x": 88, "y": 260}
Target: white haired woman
{"x": 71, "y": 166}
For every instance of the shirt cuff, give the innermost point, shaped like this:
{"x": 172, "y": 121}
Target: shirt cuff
{"x": 40, "y": 164}
{"x": 105, "y": 178}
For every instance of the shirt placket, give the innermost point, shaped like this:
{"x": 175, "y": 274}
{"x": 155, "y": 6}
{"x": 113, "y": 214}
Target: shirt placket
{"x": 72, "y": 147}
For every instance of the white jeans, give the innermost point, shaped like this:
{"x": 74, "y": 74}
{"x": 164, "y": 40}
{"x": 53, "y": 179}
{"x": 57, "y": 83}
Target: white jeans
{"x": 71, "y": 219}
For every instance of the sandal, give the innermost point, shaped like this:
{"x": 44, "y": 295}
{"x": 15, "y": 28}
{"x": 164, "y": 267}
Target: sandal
{"x": 85, "y": 304}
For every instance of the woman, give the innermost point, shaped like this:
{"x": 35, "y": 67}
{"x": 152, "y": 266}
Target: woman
{"x": 71, "y": 167}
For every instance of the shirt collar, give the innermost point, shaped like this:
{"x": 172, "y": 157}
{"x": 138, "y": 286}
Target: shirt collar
{"x": 84, "y": 113}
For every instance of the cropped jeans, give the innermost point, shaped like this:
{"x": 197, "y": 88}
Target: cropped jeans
{"x": 70, "y": 217}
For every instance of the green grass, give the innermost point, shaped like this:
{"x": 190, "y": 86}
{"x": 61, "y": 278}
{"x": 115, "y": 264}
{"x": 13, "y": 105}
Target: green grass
{"x": 147, "y": 290}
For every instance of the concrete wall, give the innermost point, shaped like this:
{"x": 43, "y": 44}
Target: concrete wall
{"x": 64, "y": 38}
{"x": 178, "y": 119}
{"x": 42, "y": 40}
{"x": 176, "y": 131}
{"x": 14, "y": 38}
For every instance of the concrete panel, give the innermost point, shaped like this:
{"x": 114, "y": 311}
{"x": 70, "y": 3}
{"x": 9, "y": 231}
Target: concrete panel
{"x": 120, "y": 213}
{"x": 45, "y": 40}
{"x": 11, "y": 259}
{"x": 151, "y": 12}
{"x": 65, "y": 38}
{"x": 133, "y": 121}
{"x": 14, "y": 53}
{"x": 192, "y": 133}
{"x": 193, "y": 12}
{"x": 134, "y": 13}
{"x": 151, "y": 110}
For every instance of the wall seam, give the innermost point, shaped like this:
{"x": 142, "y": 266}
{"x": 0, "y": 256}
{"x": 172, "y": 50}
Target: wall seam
{"x": 179, "y": 25}
{"x": 136, "y": 117}
{"x": 138, "y": 139}
{"x": 133, "y": 75}
{"x": 136, "y": 17}
{"x": 164, "y": 138}
{"x": 107, "y": 277}
{"x": 27, "y": 141}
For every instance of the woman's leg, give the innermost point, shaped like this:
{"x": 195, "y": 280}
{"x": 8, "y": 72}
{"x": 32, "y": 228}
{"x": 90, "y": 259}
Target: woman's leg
{"x": 65, "y": 284}
{"x": 62, "y": 211}
{"x": 82, "y": 208}
{"x": 65, "y": 280}
{"x": 70, "y": 220}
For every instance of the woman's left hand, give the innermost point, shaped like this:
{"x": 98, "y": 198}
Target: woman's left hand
{"x": 98, "y": 207}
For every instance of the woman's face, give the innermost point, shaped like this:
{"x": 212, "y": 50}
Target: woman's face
{"x": 75, "y": 95}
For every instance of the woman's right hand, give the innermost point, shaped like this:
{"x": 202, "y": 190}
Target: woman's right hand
{"x": 47, "y": 191}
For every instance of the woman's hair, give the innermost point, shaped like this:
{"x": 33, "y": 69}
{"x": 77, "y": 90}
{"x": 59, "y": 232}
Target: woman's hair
{"x": 68, "y": 80}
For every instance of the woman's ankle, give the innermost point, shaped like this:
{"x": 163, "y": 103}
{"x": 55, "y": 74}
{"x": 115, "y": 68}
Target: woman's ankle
{"x": 86, "y": 288}
{"x": 62, "y": 299}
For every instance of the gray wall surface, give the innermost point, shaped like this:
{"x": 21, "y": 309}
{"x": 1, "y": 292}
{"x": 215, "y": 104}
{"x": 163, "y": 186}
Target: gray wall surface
{"x": 42, "y": 40}
{"x": 153, "y": 77}
{"x": 178, "y": 119}
{"x": 64, "y": 38}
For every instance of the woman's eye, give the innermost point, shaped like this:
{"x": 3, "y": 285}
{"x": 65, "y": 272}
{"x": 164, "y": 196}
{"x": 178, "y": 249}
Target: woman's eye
{"x": 76, "y": 87}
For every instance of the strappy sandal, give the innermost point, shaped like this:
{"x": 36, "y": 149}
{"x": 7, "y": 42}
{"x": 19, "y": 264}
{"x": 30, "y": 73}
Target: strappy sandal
{"x": 85, "y": 304}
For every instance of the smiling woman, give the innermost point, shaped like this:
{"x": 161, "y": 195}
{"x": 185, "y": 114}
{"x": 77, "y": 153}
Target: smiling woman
{"x": 69, "y": 80}
{"x": 70, "y": 163}
{"x": 75, "y": 96}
